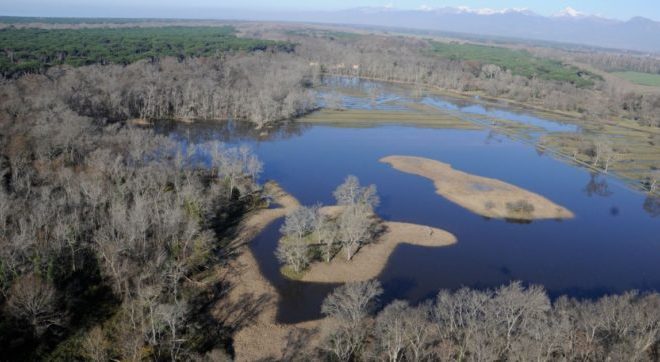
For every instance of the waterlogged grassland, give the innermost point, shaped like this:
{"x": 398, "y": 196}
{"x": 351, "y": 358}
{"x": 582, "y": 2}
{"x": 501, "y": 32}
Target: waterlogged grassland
{"x": 32, "y": 50}
{"x": 519, "y": 62}
{"x": 635, "y": 150}
{"x": 647, "y": 79}
{"x": 370, "y": 118}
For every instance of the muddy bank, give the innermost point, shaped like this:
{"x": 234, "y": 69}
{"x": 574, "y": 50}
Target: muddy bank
{"x": 251, "y": 302}
{"x": 484, "y": 196}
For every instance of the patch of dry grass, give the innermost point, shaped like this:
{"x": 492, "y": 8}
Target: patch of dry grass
{"x": 373, "y": 117}
{"x": 484, "y": 196}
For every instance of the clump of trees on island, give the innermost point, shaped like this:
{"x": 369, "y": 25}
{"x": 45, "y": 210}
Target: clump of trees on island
{"x": 310, "y": 235}
{"x": 512, "y": 322}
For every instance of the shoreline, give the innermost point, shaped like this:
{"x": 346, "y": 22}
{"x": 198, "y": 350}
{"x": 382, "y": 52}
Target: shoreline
{"x": 252, "y": 300}
{"x": 483, "y": 196}
{"x": 261, "y": 336}
{"x": 371, "y": 259}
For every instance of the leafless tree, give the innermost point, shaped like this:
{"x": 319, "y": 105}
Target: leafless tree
{"x": 390, "y": 329}
{"x": 351, "y": 193}
{"x": 33, "y": 299}
{"x": 326, "y": 233}
{"x": 418, "y": 331}
{"x": 96, "y": 345}
{"x": 354, "y": 228}
{"x": 351, "y": 303}
{"x": 300, "y": 222}
{"x": 295, "y": 253}
{"x": 516, "y": 306}
{"x": 349, "y": 306}
{"x": 605, "y": 153}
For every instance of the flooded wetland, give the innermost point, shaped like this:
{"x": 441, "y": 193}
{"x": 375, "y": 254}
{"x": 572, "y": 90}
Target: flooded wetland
{"x": 605, "y": 238}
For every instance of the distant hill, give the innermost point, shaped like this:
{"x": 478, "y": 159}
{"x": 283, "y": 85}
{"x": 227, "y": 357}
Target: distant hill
{"x": 569, "y": 26}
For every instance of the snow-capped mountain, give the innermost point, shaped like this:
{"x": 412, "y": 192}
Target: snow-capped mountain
{"x": 568, "y": 26}
{"x": 571, "y": 13}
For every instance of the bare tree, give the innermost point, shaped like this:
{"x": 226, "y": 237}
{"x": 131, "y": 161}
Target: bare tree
{"x": 300, "y": 222}
{"x": 343, "y": 344}
{"x": 172, "y": 317}
{"x": 326, "y": 235}
{"x": 351, "y": 193}
{"x": 351, "y": 303}
{"x": 515, "y": 306}
{"x": 390, "y": 329}
{"x": 349, "y": 306}
{"x": 354, "y": 228}
{"x": 605, "y": 153}
{"x": 418, "y": 331}
{"x": 295, "y": 253}
{"x": 652, "y": 181}
{"x": 33, "y": 299}
{"x": 96, "y": 345}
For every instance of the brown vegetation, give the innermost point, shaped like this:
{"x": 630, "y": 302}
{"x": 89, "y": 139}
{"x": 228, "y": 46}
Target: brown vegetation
{"x": 112, "y": 227}
{"x": 484, "y": 196}
{"x": 408, "y": 60}
{"x": 509, "y": 323}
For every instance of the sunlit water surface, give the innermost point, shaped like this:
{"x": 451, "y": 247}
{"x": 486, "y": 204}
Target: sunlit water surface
{"x": 612, "y": 245}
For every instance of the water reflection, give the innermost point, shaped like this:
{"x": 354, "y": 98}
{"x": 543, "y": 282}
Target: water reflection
{"x": 230, "y": 131}
{"x": 597, "y": 186}
{"x": 589, "y": 256}
{"x": 652, "y": 205}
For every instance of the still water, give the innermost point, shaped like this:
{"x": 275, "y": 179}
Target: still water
{"x": 612, "y": 245}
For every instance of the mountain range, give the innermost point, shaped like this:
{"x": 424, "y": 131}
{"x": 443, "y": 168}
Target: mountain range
{"x": 568, "y": 26}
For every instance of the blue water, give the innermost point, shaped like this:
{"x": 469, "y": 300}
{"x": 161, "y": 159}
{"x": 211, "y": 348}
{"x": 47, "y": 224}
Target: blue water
{"x": 498, "y": 113}
{"x": 387, "y": 97}
{"x": 612, "y": 245}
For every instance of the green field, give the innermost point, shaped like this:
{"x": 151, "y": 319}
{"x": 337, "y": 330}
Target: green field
{"x": 519, "y": 62}
{"x": 32, "y": 50}
{"x": 652, "y": 80}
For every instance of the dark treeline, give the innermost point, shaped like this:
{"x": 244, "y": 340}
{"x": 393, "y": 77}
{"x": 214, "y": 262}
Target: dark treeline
{"x": 31, "y": 50}
{"x": 411, "y": 60}
{"x": 511, "y": 323}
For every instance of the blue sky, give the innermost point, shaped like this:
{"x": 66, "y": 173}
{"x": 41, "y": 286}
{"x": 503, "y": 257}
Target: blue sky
{"x": 619, "y": 9}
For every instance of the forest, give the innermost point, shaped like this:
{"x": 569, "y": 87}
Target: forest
{"x": 31, "y": 50}
{"x": 114, "y": 240}
{"x": 513, "y": 322}
{"x": 518, "y": 62}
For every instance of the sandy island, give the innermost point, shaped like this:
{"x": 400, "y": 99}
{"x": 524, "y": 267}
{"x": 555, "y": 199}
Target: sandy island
{"x": 484, "y": 196}
{"x": 251, "y": 301}
{"x": 370, "y": 260}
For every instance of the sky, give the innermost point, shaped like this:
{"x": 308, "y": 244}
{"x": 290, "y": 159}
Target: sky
{"x": 616, "y": 9}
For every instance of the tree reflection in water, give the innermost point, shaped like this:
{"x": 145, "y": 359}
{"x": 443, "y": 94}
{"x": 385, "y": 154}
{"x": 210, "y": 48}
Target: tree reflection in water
{"x": 597, "y": 185}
